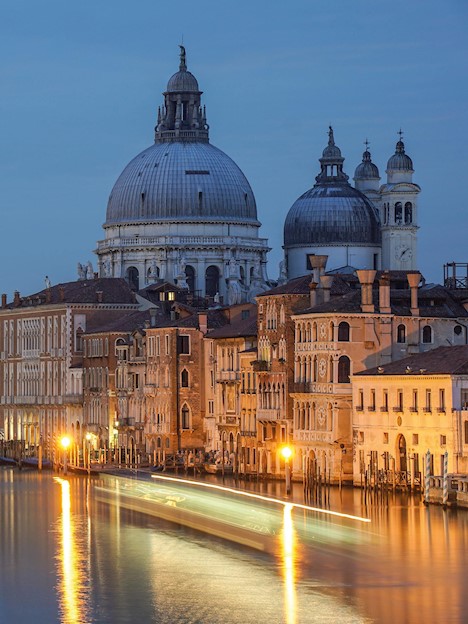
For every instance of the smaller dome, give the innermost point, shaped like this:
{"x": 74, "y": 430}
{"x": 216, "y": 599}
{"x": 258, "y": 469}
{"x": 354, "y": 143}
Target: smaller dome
{"x": 183, "y": 81}
{"x": 400, "y": 161}
{"x": 366, "y": 170}
{"x": 332, "y": 151}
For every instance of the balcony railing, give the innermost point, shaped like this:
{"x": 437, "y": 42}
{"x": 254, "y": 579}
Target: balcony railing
{"x": 269, "y": 414}
{"x": 227, "y": 375}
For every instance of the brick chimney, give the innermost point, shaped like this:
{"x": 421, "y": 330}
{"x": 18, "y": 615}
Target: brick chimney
{"x": 366, "y": 278}
{"x": 326, "y": 282}
{"x": 16, "y": 299}
{"x": 99, "y": 295}
{"x": 413, "y": 281}
{"x": 384, "y": 294}
{"x": 153, "y": 312}
{"x": 313, "y": 294}
{"x": 61, "y": 293}
{"x": 203, "y": 322}
{"x": 4, "y": 300}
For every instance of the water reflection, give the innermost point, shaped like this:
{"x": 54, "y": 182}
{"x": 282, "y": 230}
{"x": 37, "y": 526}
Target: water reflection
{"x": 73, "y": 575}
{"x": 288, "y": 542}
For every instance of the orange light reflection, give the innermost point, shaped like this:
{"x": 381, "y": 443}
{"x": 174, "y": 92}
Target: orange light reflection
{"x": 70, "y": 583}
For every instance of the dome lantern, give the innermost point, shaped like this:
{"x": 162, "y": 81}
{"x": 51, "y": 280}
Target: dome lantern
{"x": 182, "y": 118}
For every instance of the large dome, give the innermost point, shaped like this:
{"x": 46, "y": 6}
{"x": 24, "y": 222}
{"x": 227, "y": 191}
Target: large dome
{"x": 181, "y": 181}
{"x": 330, "y": 214}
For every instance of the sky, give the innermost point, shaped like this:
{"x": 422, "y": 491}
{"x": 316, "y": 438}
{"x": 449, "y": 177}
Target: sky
{"x": 81, "y": 83}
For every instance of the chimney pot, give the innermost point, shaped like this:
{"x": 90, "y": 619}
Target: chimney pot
{"x": 366, "y": 278}
{"x": 413, "y": 281}
{"x": 384, "y": 294}
{"x": 4, "y": 300}
{"x": 16, "y": 299}
{"x": 99, "y": 294}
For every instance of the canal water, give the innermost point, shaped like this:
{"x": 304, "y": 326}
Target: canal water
{"x": 70, "y": 555}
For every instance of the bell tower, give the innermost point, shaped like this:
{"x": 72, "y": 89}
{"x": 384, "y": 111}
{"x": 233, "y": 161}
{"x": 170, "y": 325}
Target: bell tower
{"x": 399, "y": 212}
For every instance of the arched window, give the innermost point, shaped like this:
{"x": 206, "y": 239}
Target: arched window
{"x": 133, "y": 278}
{"x": 427, "y": 334}
{"x": 212, "y": 281}
{"x": 184, "y": 378}
{"x": 408, "y": 213}
{"x": 398, "y": 213}
{"x": 79, "y": 339}
{"x": 185, "y": 417}
{"x": 401, "y": 333}
{"x": 190, "y": 276}
{"x": 343, "y": 332}
{"x": 344, "y": 369}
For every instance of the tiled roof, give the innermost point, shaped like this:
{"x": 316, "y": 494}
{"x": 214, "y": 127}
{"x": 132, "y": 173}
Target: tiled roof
{"x": 434, "y": 301}
{"x": 114, "y": 291}
{"x": 440, "y": 361}
{"x": 242, "y": 327}
{"x": 125, "y": 323}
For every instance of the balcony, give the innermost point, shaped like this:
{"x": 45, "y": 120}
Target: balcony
{"x": 398, "y": 409}
{"x": 441, "y": 410}
{"x": 269, "y": 415}
{"x": 413, "y": 410}
{"x": 226, "y": 376}
{"x": 384, "y": 408}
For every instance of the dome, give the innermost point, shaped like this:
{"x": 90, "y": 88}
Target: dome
{"x": 366, "y": 169}
{"x": 182, "y": 81}
{"x": 400, "y": 161}
{"x": 181, "y": 181}
{"x": 332, "y": 214}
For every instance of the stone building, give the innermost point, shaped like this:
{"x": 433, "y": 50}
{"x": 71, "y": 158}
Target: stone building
{"x": 406, "y": 408}
{"x": 274, "y": 370}
{"x": 354, "y": 323}
{"x": 42, "y": 353}
{"x": 234, "y": 348}
{"x": 183, "y": 211}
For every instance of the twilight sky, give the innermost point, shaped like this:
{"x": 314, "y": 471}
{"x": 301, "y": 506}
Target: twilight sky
{"x": 81, "y": 83}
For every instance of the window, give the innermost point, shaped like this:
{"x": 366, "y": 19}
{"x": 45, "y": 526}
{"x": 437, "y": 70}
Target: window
{"x": 427, "y": 334}
{"x": 344, "y": 369}
{"x": 398, "y": 213}
{"x": 183, "y": 345}
{"x": 441, "y": 400}
{"x": 466, "y": 431}
{"x": 133, "y": 278}
{"x": 79, "y": 339}
{"x": 385, "y": 437}
{"x": 385, "y": 401}
{"x": 400, "y": 400}
{"x": 343, "y": 332}
{"x": 184, "y": 379}
{"x": 428, "y": 407}
{"x": 443, "y": 440}
{"x": 408, "y": 213}
{"x": 360, "y": 401}
{"x": 185, "y": 417}
{"x": 211, "y": 408}
{"x": 245, "y": 314}
{"x": 464, "y": 399}
{"x": 401, "y": 333}
{"x": 415, "y": 438}
{"x": 372, "y": 401}
{"x": 212, "y": 281}
{"x": 414, "y": 407}
{"x": 166, "y": 337}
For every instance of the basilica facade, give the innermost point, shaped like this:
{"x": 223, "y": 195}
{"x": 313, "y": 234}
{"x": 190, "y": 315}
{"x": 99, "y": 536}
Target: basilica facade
{"x": 183, "y": 211}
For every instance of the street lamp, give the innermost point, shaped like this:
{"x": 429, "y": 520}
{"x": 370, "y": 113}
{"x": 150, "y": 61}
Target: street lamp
{"x": 88, "y": 459}
{"x": 65, "y": 442}
{"x": 286, "y": 452}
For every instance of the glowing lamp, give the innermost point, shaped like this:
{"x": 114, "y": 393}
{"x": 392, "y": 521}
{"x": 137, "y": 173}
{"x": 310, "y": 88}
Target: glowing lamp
{"x": 286, "y": 452}
{"x": 65, "y": 442}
